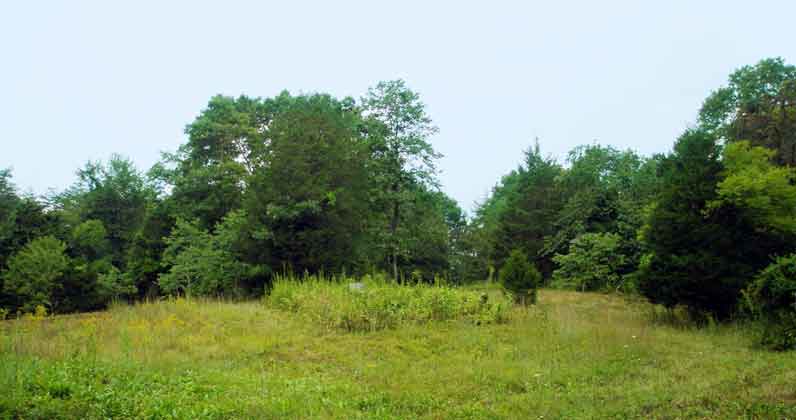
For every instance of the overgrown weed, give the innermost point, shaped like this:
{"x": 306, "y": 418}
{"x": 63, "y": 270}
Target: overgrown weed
{"x": 374, "y": 303}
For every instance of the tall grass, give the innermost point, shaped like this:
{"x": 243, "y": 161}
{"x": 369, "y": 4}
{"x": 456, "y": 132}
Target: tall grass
{"x": 373, "y": 303}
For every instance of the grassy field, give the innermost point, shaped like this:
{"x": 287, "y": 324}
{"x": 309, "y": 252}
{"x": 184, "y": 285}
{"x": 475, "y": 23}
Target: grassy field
{"x": 574, "y": 355}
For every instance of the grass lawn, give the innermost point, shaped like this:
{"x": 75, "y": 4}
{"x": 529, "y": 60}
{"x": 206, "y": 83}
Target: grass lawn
{"x": 574, "y": 355}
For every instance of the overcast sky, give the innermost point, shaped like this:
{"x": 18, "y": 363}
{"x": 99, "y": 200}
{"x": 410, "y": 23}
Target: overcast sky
{"x": 81, "y": 80}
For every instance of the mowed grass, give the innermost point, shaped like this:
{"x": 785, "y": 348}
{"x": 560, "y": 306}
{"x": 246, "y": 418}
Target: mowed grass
{"x": 574, "y": 355}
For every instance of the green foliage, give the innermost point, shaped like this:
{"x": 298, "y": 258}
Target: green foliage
{"x": 92, "y": 281}
{"x": 34, "y": 273}
{"x": 758, "y": 105}
{"x": 402, "y": 130}
{"x": 312, "y": 183}
{"x": 115, "y": 194}
{"x": 604, "y": 189}
{"x": 112, "y": 285}
{"x": 700, "y": 259}
{"x": 89, "y": 240}
{"x": 144, "y": 257}
{"x": 375, "y": 304}
{"x": 403, "y": 161}
{"x": 772, "y": 298}
{"x": 225, "y": 146}
{"x": 204, "y": 264}
{"x": 594, "y": 262}
{"x": 22, "y": 219}
{"x": 208, "y": 193}
{"x": 520, "y": 277}
{"x": 752, "y": 182}
{"x": 311, "y": 193}
{"x": 8, "y": 206}
{"x": 427, "y": 235}
{"x": 530, "y": 210}
{"x": 718, "y": 221}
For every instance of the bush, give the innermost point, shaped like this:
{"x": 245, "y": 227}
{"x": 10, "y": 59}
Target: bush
{"x": 593, "y": 263}
{"x": 204, "y": 264}
{"x": 520, "y": 277}
{"x": 34, "y": 273}
{"x": 374, "y": 304}
{"x": 772, "y": 298}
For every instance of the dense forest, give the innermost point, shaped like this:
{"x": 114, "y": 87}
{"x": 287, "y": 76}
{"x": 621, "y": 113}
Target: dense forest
{"x": 315, "y": 184}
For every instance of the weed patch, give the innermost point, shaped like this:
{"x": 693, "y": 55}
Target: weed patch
{"x": 375, "y": 304}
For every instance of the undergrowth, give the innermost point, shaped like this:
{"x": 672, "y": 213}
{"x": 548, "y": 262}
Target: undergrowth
{"x": 374, "y": 303}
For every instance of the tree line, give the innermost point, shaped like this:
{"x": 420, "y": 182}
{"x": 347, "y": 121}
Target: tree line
{"x": 312, "y": 183}
{"x": 292, "y": 183}
{"x": 709, "y": 227}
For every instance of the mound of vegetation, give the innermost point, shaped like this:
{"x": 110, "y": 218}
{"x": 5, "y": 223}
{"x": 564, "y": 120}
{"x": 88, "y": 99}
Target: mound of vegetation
{"x": 375, "y": 304}
{"x": 772, "y": 298}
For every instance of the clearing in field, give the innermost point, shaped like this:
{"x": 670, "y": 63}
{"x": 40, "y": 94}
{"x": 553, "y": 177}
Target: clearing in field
{"x": 331, "y": 351}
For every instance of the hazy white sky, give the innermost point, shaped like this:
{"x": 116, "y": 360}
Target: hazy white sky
{"x": 80, "y": 80}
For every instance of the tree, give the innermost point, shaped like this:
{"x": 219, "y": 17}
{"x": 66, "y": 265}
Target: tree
{"x": 207, "y": 192}
{"x": 34, "y": 273}
{"x": 520, "y": 277}
{"x": 22, "y": 219}
{"x": 226, "y": 144}
{"x": 752, "y": 182}
{"x": 92, "y": 281}
{"x": 530, "y": 210}
{"x": 145, "y": 253}
{"x": 426, "y": 234}
{"x": 115, "y": 194}
{"x": 481, "y": 235}
{"x": 90, "y": 240}
{"x": 604, "y": 190}
{"x": 8, "y": 206}
{"x": 594, "y": 262}
{"x": 758, "y": 105}
{"x": 455, "y": 221}
{"x": 311, "y": 193}
{"x": 701, "y": 259}
{"x": 398, "y": 130}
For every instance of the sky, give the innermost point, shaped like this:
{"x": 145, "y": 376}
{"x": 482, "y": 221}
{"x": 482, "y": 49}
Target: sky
{"x": 81, "y": 80}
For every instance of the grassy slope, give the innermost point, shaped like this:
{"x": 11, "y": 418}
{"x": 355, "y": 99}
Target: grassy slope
{"x": 574, "y": 356}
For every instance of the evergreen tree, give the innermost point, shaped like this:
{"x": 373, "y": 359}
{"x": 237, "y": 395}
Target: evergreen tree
{"x": 530, "y": 211}
{"x": 520, "y": 277}
{"x": 701, "y": 259}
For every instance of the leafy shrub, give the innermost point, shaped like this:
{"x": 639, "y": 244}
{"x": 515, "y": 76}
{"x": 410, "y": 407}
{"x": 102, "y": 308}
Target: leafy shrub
{"x": 34, "y": 273}
{"x": 772, "y": 297}
{"x": 376, "y": 304}
{"x": 593, "y": 263}
{"x": 520, "y": 277}
{"x": 204, "y": 264}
